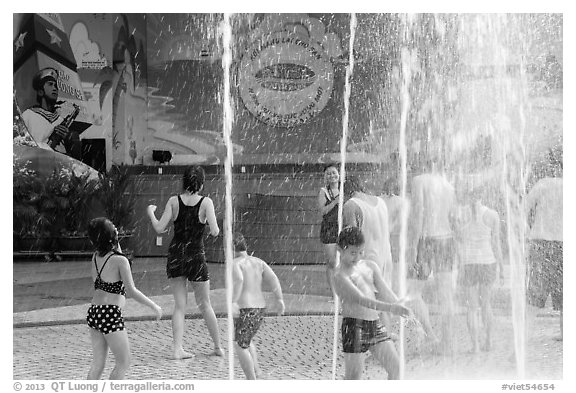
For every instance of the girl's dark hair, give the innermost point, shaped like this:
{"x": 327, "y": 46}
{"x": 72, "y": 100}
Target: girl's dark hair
{"x": 239, "y": 242}
{"x": 351, "y": 185}
{"x": 350, "y": 236}
{"x": 391, "y": 186}
{"x": 102, "y": 234}
{"x": 193, "y": 180}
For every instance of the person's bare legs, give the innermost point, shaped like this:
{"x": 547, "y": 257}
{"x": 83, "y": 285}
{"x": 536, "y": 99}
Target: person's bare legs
{"x": 419, "y": 308}
{"x": 487, "y": 314}
{"x": 472, "y": 317}
{"x": 99, "y": 354}
{"x": 202, "y": 296}
{"x": 246, "y": 361}
{"x": 386, "y": 354}
{"x": 445, "y": 295}
{"x": 353, "y": 365}
{"x": 254, "y": 354}
{"x": 180, "y": 291}
{"x": 413, "y": 300}
{"x": 120, "y": 346}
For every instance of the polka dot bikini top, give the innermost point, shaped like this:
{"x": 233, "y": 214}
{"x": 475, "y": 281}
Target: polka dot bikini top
{"x": 110, "y": 287}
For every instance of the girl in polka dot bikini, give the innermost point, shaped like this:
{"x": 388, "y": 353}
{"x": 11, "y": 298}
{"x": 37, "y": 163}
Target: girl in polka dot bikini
{"x": 112, "y": 281}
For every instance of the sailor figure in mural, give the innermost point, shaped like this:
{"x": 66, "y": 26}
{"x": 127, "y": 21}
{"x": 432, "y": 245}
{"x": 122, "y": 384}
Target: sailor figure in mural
{"x": 49, "y": 129}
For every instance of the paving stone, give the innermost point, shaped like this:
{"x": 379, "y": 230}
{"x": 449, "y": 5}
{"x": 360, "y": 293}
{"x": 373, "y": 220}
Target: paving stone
{"x": 289, "y": 347}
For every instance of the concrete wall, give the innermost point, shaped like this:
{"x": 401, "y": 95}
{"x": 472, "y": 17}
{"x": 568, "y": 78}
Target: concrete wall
{"x": 276, "y": 211}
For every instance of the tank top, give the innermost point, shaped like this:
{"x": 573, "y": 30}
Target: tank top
{"x": 188, "y": 230}
{"x": 476, "y": 240}
{"x": 332, "y": 216}
{"x": 434, "y": 198}
{"x": 116, "y": 287}
{"x": 376, "y": 235}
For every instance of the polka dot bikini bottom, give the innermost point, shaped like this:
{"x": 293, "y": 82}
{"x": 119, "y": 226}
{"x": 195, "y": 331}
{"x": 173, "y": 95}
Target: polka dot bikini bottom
{"x": 106, "y": 318}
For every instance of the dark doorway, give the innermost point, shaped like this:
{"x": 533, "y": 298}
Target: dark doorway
{"x": 94, "y": 153}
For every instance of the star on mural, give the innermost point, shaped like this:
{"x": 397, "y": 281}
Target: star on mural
{"x": 19, "y": 43}
{"x": 54, "y": 37}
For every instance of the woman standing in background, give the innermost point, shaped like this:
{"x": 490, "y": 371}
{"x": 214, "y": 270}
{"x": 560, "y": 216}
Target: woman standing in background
{"x": 328, "y": 199}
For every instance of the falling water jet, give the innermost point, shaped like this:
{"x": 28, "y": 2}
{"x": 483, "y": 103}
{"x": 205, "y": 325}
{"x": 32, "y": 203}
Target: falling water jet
{"x": 514, "y": 186}
{"x": 496, "y": 42}
{"x": 343, "y": 145}
{"x": 402, "y": 155}
{"x": 226, "y": 31}
{"x": 517, "y": 220}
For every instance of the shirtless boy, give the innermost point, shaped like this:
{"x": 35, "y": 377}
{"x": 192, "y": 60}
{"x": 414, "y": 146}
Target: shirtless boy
{"x": 249, "y": 304}
{"x": 364, "y": 294}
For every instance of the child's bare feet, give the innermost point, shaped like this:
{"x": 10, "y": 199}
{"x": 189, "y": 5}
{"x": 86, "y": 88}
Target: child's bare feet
{"x": 217, "y": 352}
{"x": 181, "y": 354}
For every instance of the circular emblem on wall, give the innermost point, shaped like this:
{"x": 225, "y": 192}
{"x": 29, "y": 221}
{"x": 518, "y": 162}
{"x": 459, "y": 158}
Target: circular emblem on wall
{"x": 285, "y": 80}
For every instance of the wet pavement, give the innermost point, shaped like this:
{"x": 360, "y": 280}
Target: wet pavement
{"x": 51, "y": 341}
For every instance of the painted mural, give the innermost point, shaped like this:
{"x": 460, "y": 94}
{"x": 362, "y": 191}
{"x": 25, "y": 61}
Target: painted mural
{"x": 288, "y": 73}
{"x": 90, "y": 38}
{"x": 154, "y": 82}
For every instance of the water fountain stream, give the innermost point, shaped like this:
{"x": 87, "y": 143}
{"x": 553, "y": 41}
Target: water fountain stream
{"x": 402, "y": 156}
{"x": 438, "y": 65}
{"x": 228, "y": 162}
{"x": 343, "y": 149}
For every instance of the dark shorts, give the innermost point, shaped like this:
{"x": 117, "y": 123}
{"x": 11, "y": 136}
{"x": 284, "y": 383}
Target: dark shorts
{"x": 328, "y": 232}
{"x": 478, "y": 274}
{"x": 183, "y": 263}
{"x": 359, "y": 335}
{"x": 106, "y": 318}
{"x": 438, "y": 255}
{"x": 246, "y": 325}
{"x": 545, "y": 273}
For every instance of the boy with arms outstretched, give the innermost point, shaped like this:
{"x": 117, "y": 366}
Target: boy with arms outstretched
{"x": 248, "y": 302}
{"x": 364, "y": 294}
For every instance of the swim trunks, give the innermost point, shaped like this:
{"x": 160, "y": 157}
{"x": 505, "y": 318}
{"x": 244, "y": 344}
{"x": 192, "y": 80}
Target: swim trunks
{"x": 478, "y": 274}
{"x": 545, "y": 273}
{"x": 359, "y": 335}
{"x": 106, "y": 318}
{"x": 434, "y": 254}
{"x": 246, "y": 325}
{"x": 183, "y": 264}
